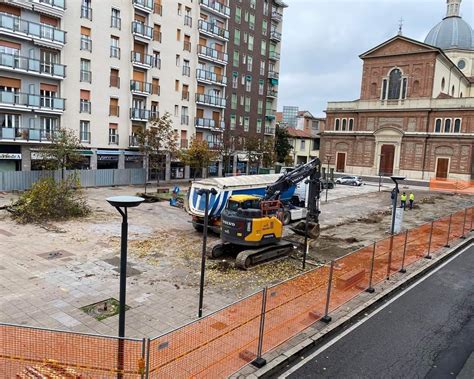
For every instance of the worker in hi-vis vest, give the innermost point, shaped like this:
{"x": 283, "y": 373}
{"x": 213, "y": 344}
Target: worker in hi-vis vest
{"x": 412, "y": 199}
{"x": 403, "y": 200}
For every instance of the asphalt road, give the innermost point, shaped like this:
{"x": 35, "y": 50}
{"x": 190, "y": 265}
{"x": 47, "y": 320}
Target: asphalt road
{"x": 426, "y": 333}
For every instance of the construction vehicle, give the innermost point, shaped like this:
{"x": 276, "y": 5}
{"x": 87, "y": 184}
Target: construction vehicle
{"x": 252, "y": 226}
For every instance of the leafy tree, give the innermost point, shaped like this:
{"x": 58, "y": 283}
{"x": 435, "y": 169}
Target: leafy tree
{"x": 158, "y": 139}
{"x": 226, "y": 150}
{"x": 282, "y": 144}
{"x": 268, "y": 152}
{"x": 199, "y": 155}
{"x": 63, "y": 152}
{"x": 253, "y": 148}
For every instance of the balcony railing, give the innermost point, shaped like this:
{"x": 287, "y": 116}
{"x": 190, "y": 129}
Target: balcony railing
{"x": 86, "y": 12}
{"x": 216, "y": 6}
{"x": 184, "y": 120}
{"x": 275, "y": 36}
{"x": 273, "y": 55}
{"x": 85, "y": 106}
{"x": 115, "y": 52}
{"x": 114, "y": 81}
{"x": 115, "y": 22}
{"x": 269, "y": 130}
{"x": 141, "y": 114}
{"x": 213, "y": 30}
{"x": 213, "y": 54}
{"x": 186, "y": 71}
{"x": 214, "y": 101}
{"x": 114, "y": 110}
{"x": 54, "y": 3}
{"x": 113, "y": 139}
{"x": 27, "y": 134}
{"x": 208, "y": 123}
{"x": 146, "y": 5}
{"x": 214, "y": 145}
{"x": 273, "y": 74}
{"x": 28, "y": 100}
{"x": 85, "y": 137}
{"x": 31, "y": 65}
{"x": 142, "y": 87}
{"x": 211, "y": 77}
{"x": 142, "y": 30}
{"x": 143, "y": 59}
{"x": 86, "y": 43}
{"x": 188, "y": 20}
{"x": 187, "y": 46}
{"x": 86, "y": 76}
{"x": 32, "y": 29}
{"x": 277, "y": 16}
{"x": 133, "y": 141}
{"x": 272, "y": 92}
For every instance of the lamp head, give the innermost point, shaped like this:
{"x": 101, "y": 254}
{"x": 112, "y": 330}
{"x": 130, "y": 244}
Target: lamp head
{"x": 396, "y": 178}
{"x": 125, "y": 201}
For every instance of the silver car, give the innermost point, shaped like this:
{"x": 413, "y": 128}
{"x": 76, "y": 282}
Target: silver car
{"x": 350, "y": 180}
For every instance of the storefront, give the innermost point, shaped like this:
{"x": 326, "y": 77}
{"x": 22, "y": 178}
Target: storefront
{"x": 213, "y": 169}
{"x": 133, "y": 159}
{"x": 39, "y": 161}
{"x": 10, "y": 160}
{"x": 107, "y": 159}
{"x": 242, "y": 161}
{"x": 177, "y": 170}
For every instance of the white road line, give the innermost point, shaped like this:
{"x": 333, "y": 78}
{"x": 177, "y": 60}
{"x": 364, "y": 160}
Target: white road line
{"x": 359, "y": 323}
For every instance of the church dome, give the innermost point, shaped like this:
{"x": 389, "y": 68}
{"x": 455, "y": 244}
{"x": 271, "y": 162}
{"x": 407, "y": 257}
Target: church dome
{"x": 452, "y": 32}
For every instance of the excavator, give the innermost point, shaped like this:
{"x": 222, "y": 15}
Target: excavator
{"x": 252, "y": 226}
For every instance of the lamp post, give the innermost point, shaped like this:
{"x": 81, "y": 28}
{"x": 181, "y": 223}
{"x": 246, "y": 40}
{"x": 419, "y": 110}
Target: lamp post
{"x": 122, "y": 203}
{"x": 395, "y": 179}
{"x": 328, "y": 159}
{"x": 380, "y": 172}
{"x": 206, "y": 193}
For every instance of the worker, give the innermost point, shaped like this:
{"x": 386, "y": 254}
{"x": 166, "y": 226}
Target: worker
{"x": 412, "y": 199}
{"x": 403, "y": 200}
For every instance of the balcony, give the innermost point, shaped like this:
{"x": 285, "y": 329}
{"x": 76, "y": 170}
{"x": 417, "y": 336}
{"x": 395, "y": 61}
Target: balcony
{"x": 52, "y": 7}
{"x": 144, "y": 5}
{"x": 142, "y": 60}
{"x": 269, "y": 130}
{"x": 113, "y": 139}
{"x": 32, "y": 66}
{"x": 213, "y": 30}
{"x": 213, "y": 101}
{"x": 271, "y": 92}
{"x": 212, "y": 55}
{"x": 184, "y": 120}
{"x": 27, "y": 134}
{"x": 28, "y": 101}
{"x": 86, "y": 12}
{"x": 270, "y": 114}
{"x": 209, "y": 123}
{"x": 40, "y": 33}
{"x": 188, "y": 21}
{"x": 140, "y": 88}
{"x": 273, "y": 55}
{"x": 277, "y": 16}
{"x": 216, "y": 7}
{"x": 273, "y": 75}
{"x": 186, "y": 71}
{"x": 214, "y": 145}
{"x": 140, "y": 30}
{"x": 275, "y": 36}
{"x": 210, "y": 77}
{"x": 140, "y": 114}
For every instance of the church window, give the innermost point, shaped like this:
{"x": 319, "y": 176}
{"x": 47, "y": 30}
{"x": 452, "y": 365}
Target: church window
{"x": 404, "y": 88}
{"x": 344, "y": 124}
{"x": 384, "y": 89}
{"x": 460, "y": 95}
{"x": 438, "y": 125}
{"x": 336, "y": 125}
{"x": 457, "y": 125}
{"x": 462, "y": 64}
{"x": 447, "y": 125}
{"x": 452, "y": 91}
{"x": 351, "y": 124}
{"x": 443, "y": 84}
{"x": 394, "y": 85}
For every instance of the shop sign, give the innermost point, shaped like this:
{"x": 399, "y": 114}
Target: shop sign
{"x": 10, "y": 156}
{"x": 107, "y": 157}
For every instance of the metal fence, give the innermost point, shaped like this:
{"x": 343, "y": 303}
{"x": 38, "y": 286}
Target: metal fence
{"x": 223, "y": 342}
{"x": 23, "y": 180}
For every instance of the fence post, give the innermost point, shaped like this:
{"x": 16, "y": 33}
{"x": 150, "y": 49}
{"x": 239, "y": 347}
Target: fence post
{"x": 147, "y": 360}
{"x": 472, "y": 216}
{"x": 370, "y": 289}
{"x": 449, "y": 231}
{"x": 428, "y": 256}
{"x": 327, "y": 318}
{"x": 463, "y": 236}
{"x": 142, "y": 361}
{"x": 403, "y": 270}
{"x": 259, "y": 362}
{"x": 390, "y": 257}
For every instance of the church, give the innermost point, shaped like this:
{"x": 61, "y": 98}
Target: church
{"x": 415, "y": 115}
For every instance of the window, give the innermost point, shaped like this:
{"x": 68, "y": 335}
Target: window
{"x": 259, "y": 125}
{"x": 86, "y": 74}
{"x": 302, "y": 144}
{"x": 178, "y": 34}
{"x": 10, "y": 120}
{"x": 260, "y": 106}
{"x": 85, "y": 101}
{"x": 187, "y": 43}
{"x": 234, "y": 101}
{"x": 48, "y": 59}
{"x": 394, "y": 84}
{"x": 85, "y": 135}
{"x": 176, "y": 110}
{"x": 246, "y": 124}
{"x": 264, "y": 27}
{"x": 253, "y": 3}
{"x": 248, "y": 83}
{"x": 86, "y": 42}
{"x": 184, "y": 116}
{"x": 457, "y": 125}
{"x": 114, "y": 78}
{"x": 261, "y": 85}
{"x": 114, "y": 109}
{"x": 252, "y": 21}
{"x": 237, "y": 37}
{"x": 180, "y": 9}
{"x": 249, "y": 63}
{"x": 384, "y": 89}
{"x": 336, "y": 124}
{"x": 232, "y": 121}
{"x": 344, "y": 124}
{"x": 178, "y": 60}
{"x": 443, "y": 84}
{"x": 156, "y": 59}
{"x": 185, "y": 92}
{"x": 238, "y": 15}
{"x": 263, "y": 49}
{"x": 247, "y": 104}
{"x": 113, "y": 135}
{"x": 86, "y": 10}
{"x": 115, "y": 21}
{"x": 186, "y": 68}
{"x": 155, "y": 86}
{"x": 48, "y": 124}
{"x": 447, "y": 125}
{"x": 265, "y": 7}
{"x": 235, "y": 79}
{"x": 438, "y": 123}
{"x": 250, "y": 43}
{"x": 114, "y": 47}
{"x": 236, "y": 59}
{"x": 262, "y": 68}
{"x": 176, "y": 85}
{"x": 351, "y": 124}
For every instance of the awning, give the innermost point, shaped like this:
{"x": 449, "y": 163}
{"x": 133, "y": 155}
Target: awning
{"x": 109, "y": 152}
{"x": 85, "y": 152}
{"x": 132, "y": 153}
{"x": 274, "y": 82}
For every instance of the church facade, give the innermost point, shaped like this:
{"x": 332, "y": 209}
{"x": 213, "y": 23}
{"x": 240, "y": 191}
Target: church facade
{"x": 415, "y": 115}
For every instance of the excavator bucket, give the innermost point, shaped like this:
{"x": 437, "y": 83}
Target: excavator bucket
{"x": 313, "y": 229}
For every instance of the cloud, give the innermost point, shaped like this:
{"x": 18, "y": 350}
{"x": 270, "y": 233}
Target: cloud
{"x": 322, "y": 41}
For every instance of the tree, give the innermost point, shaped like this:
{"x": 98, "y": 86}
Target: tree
{"x": 253, "y": 148}
{"x": 199, "y": 155}
{"x": 282, "y": 144}
{"x": 268, "y": 152}
{"x": 158, "y": 139}
{"x": 63, "y": 152}
{"x": 226, "y": 150}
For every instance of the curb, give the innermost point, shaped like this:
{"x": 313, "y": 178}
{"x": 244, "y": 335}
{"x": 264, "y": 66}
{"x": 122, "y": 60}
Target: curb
{"x": 315, "y": 336}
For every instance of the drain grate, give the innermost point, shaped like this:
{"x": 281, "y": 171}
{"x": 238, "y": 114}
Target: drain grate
{"x": 103, "y": 309}
{"x": 56, "y": 254}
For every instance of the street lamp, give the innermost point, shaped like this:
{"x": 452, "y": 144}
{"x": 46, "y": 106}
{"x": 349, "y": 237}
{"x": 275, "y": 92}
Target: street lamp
{"x": 122, "y": 203}
{"x": 395, "y": 179}
{"x": 206, "y": 193}
{"x": 380, "y": 172}
{"x": 328, "y": 159}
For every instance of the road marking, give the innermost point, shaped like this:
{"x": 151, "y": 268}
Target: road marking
{"x": 359, "y": 323}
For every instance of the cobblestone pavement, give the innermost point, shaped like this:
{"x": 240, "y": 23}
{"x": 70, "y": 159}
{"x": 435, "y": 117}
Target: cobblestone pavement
{"x": 47, "y": 273}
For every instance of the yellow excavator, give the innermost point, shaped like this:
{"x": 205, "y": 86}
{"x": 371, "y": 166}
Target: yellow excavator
{"x": 252, "y": 226}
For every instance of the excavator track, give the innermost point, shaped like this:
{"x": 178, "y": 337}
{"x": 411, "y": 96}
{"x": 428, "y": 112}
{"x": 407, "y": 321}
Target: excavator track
{"x": 251, "y": 257}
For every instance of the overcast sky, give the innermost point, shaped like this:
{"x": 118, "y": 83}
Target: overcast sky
{"x": 322, "y": 41}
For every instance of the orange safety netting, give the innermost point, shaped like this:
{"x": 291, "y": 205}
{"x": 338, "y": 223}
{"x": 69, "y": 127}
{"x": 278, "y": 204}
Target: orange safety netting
{"x": 26, "y": 350}
{"x": 456, "y": 186}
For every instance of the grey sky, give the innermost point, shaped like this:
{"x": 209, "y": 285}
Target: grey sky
{"x": 322, "y": 41}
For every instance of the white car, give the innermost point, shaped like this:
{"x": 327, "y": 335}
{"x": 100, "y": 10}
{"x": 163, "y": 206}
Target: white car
{"x": 350, "y": 180}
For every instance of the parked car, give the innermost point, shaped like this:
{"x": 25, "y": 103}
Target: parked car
{"x": 349, "y": 180}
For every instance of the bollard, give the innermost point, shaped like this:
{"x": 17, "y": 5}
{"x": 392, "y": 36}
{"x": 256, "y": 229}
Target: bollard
{"x": 463, "y": 236}
{"x": 403, "y": 270}
{"x": 390, "y": 257}
{"x": 449, "y": 231}
{"x": 428, "y": 256}
{"x": 327, "y": 319}
{"x": 259, "y": 362}
{"x": 370, "y": 289}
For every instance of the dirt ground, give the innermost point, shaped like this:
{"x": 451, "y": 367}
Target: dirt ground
{"x": 165, "y": 250}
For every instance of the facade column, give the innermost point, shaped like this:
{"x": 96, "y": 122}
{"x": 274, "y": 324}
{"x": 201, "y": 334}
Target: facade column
{"x": 234, "y": 167}
{"x": 121, "y": 161}
{"x": 25, "y": 158}
{"x": 93, "y": 164}
{"x": 221, "y": 167}
{"x": 168, "y": 167}
{"x": 187, "y": 171}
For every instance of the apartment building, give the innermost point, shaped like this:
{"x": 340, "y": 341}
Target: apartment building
{"x": 106, "y": 68}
